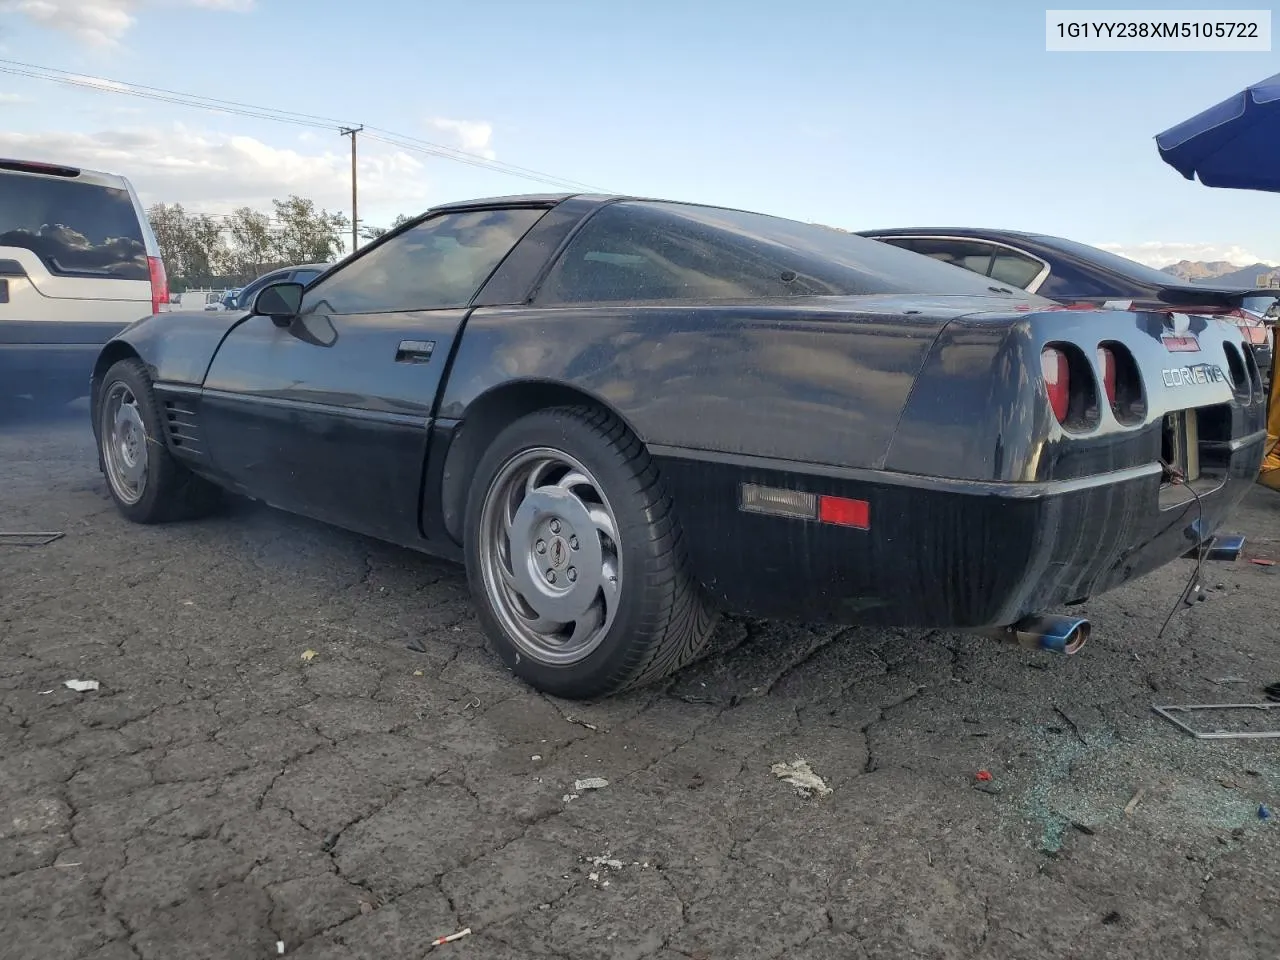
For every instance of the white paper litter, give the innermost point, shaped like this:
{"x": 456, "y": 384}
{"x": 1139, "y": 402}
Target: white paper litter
{"x": 590, "y": 783}
{"x": 568, "y": 796}
{"x": 802, "y": 777}
{"x": 605, "y": 861}
{"x": 280, "y": 946}
{"x": 80, "y": 686}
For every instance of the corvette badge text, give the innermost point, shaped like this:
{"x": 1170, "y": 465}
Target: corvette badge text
{"x": 1189, "y": 376}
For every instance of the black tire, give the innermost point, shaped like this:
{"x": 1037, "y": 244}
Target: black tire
{"x": 662, "y": 619}
{"x": 170, "y": 491}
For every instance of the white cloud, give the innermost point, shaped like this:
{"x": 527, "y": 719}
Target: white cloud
{"x": 473, "y": 136}
{"x": 13, "y": 99}
{"x": 215, "y": 173}
{"x": 100, "y": 23}
{"x": 1162, "y": 253}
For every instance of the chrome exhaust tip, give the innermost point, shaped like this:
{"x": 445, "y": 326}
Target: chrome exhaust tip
{"x": 1056, "y": 634}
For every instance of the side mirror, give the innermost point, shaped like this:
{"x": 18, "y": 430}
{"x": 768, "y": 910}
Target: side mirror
{"x": 279, "y": 301}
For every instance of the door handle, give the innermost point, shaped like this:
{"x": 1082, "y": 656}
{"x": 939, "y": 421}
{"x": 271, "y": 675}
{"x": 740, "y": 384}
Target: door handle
{"x": 415, "y": 351}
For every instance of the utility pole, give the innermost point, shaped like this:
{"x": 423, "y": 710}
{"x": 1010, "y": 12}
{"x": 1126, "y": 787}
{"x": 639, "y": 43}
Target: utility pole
{"x": 355, "y": 217}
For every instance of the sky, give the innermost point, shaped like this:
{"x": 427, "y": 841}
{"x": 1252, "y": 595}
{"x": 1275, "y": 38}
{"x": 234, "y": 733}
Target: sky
{"x": 912, "y": 113}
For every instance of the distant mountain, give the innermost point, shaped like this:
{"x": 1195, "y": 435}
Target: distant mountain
{"x": 1224, "y": 273}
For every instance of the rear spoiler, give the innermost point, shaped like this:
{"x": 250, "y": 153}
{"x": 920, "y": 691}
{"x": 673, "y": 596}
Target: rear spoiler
{"x": 1195, "y": 295}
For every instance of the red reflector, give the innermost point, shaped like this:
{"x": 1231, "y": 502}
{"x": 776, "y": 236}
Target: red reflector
{"x": 1057, "y": 381}
{"x": 159, "y": 283}
{"x": 844, "y": 512}
{"x": 1107, "y": 364}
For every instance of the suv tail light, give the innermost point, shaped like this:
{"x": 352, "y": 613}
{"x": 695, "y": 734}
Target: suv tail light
{"x": 159, "y": 283}
{"x": 1107, "y": 365}
{"x": 1057, "y": 381}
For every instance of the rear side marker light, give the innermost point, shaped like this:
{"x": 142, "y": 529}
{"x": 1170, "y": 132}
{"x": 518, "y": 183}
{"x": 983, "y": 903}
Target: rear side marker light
{"x": 1057, "y": 380}
{"x": 799, "y": 505}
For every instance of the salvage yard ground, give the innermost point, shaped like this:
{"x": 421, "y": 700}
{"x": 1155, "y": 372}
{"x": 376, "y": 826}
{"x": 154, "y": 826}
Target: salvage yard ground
{"x": 220, "y": 793}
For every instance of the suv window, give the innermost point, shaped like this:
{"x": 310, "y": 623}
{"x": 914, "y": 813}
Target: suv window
{"x": 442, "y": 262}
{"x": 75, "y": 228}
{"x": 643, "y": 250}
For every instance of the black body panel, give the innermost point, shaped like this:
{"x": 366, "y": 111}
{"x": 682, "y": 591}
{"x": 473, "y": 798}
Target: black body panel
{"x": 735, "y": 378}
{"x": 940, "y": 555}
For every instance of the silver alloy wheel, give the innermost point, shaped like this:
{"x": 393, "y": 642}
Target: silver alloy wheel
{"x": 123, "y": 437}
{"x": 549, "y": 554}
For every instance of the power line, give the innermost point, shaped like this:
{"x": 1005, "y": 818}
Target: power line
{"x": 258, "y": 112}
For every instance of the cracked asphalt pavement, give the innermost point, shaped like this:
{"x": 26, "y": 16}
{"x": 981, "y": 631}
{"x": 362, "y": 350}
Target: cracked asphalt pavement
{"x": 219, "y": 793}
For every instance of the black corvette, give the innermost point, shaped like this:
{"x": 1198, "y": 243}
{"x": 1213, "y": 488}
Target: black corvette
{"x": 626, "y": 414}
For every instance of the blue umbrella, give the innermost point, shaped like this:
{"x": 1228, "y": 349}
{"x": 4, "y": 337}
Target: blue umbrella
{"x": 1235, "y": 143}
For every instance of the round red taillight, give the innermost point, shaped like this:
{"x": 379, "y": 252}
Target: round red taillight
{"x": 1057, "y": 381}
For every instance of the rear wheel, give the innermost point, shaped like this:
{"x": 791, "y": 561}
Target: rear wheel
{"x": 147, "y": 483}
{"x": 575, "y": 560}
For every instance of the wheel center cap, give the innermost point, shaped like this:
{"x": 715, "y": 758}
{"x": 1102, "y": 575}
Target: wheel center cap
{"x": 558, "y": 553}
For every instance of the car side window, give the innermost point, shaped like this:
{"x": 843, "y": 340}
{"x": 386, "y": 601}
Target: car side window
{"x": 973, "y": 255}
{"x": 1014, "y": 268}
{"x": 442, "y": 262}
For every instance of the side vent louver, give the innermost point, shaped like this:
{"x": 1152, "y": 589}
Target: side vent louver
{"x": 184, "y": 428}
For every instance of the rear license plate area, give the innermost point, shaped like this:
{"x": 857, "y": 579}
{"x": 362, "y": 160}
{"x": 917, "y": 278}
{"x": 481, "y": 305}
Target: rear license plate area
{"x": 1180, "y": 444}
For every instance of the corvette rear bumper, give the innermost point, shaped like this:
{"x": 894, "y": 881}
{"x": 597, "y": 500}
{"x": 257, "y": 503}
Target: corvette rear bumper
{"x": 947, "y": 554}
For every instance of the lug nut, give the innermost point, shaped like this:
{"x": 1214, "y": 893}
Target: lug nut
{"x": 572, "y": 574}
{"x": 555, "y": 526}
{"x": 551, "y": 576}
{"x": 541, "y": 546}
{"x": 573, "y": 543}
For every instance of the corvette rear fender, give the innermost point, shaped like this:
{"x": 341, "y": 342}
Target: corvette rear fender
{"x": 980, "y": 410}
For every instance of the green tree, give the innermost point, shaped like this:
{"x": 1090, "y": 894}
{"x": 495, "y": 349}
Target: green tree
{"x": 192, "y": 245}
{"x": 308, "y": 235}
{"x": 253, "y": 250}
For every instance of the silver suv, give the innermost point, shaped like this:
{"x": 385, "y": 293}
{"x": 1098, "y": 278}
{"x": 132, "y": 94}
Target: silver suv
{"x": 78, "y": 263}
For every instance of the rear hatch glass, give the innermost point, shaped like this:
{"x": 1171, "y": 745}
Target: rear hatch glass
{"x": 77, "y": 229}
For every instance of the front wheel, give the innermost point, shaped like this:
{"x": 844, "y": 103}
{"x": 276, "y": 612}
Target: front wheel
{"x": 575, "y": 560}
{"x": 147, "y": 483}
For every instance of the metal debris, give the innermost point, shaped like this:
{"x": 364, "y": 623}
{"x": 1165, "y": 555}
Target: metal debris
{"x": 39, "y": 539}
{"x": 582, "y": 723}
{"x": 801, "y": 776}
{"x": 590, "y": 783}
{"x": 80, "y": 686}
{"x": 1168, "y": 710}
